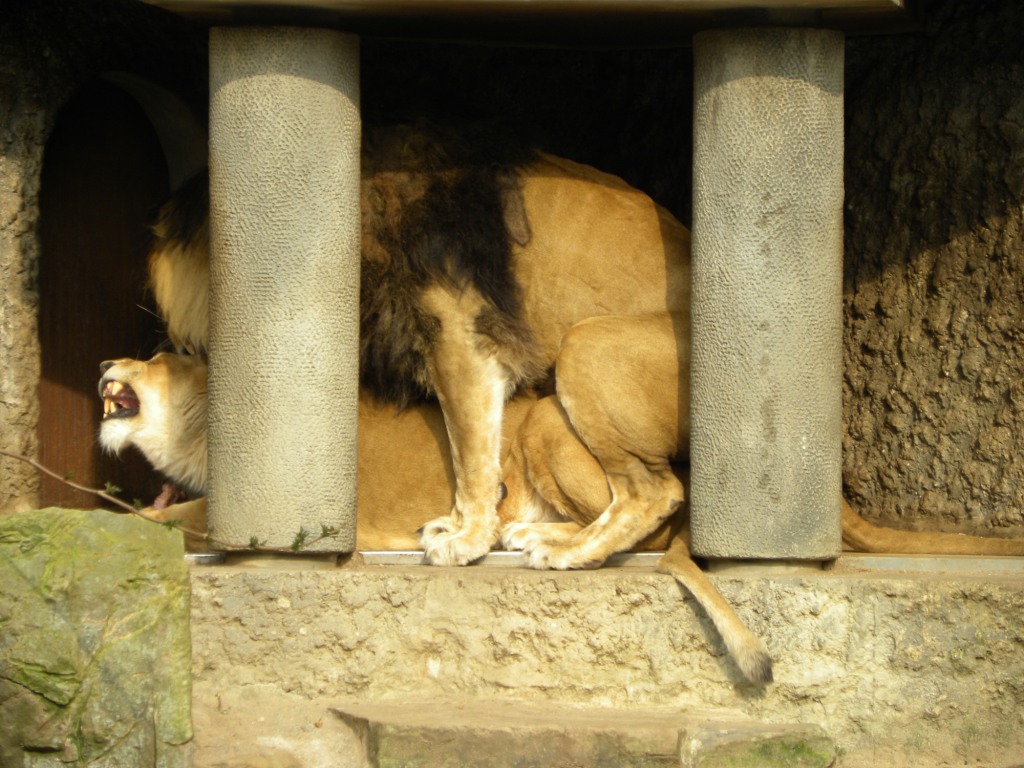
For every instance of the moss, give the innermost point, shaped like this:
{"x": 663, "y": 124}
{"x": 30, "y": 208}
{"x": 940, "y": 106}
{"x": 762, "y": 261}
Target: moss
{"x": 97, "y": 651}
{"x": 779, "y": 752}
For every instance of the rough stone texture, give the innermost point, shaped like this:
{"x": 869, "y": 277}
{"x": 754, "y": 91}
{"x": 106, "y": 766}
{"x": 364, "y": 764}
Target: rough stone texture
{"x": 896, "y": 669}
{"x": 934, "y": 297}
{"x": 262, "y": 727}
{"x": 767, "y": 280}
{"x": 47, "y": 49}
{"x": 709, "y": 746}
{"x": 20, "y": 165}
{"x": 94, "y": 646}
{"x": 459, "y": 731}
{"x": 453, "y": 733}
{"x": 284, "y": 285}
{"x": 487, "y": 734}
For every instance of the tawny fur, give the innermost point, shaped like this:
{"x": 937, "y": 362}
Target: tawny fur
{"x": 556, "y": 488}
{"x": 599, "y": 290}
{"x": 179, "y": 266}
{"x": 172, "y": 435}
{"x": 543, "y": 244}
{"x": 405, "y": 472}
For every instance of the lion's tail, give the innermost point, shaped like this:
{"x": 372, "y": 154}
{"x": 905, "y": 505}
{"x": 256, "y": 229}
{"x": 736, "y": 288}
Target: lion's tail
{"x": 862, "y": 536}
{"x": 747, "y": 650}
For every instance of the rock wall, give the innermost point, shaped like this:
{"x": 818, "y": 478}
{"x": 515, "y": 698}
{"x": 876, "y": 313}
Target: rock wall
{"x": 934, "y": 294}
{"x": 95, "y": 649}
{"x": 898, "y": 669}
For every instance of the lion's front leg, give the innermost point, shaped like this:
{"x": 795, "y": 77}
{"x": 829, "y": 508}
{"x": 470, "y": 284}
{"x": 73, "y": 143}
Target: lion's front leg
{"x": 471, "y": 385}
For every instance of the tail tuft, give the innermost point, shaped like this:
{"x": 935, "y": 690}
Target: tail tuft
{"x": 756, "y": 665}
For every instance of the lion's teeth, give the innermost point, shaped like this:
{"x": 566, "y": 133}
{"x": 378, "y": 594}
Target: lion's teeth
{"x": 116, "y": 387}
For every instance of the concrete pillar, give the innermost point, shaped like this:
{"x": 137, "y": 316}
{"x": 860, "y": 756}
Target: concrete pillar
{"x": 284, "y": 287}
{"x": 767, "y": 282}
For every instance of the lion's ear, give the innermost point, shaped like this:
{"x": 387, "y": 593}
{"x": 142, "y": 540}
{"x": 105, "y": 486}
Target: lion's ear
{"x": 514, "y": 207}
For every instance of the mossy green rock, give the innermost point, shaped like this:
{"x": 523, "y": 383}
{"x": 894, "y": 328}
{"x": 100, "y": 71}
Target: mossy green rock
{"x": 762, "y": 746}
{"x": 94, "y": 641}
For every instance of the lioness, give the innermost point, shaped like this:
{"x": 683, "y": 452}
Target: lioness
{"x": 556, "y": 488}
{"x": 159, "y": 406}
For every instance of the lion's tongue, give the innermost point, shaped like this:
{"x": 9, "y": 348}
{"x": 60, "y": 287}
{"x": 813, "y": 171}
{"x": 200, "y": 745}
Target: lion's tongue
{"x": 118, "y": 397}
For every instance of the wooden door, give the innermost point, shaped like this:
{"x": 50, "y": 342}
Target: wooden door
{"x": 103, "y": 176}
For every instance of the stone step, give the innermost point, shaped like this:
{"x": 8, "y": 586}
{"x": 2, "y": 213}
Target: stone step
{"x": 266, "y": 728}
{"x": 488, "y": 734}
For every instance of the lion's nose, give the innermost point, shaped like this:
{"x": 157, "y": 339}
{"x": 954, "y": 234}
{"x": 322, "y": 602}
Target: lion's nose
{"x": 105, "y": 366}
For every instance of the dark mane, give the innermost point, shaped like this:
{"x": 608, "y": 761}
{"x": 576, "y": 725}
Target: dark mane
{"x": 437, "y": 209}
{"x": 184, "y": 217}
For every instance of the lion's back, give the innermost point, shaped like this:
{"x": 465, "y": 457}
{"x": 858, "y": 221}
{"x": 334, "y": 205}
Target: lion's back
{"x": 597, "y": 247}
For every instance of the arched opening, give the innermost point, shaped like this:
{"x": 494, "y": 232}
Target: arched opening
{"x": 103, "y": 175}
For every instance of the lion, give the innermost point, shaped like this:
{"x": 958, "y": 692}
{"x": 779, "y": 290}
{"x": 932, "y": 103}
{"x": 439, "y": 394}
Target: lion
{"x": 555, "y": 487}
{"x": 571, "y": 280}
{"x": 473, "y": 269}
{"x": 159, "y": 407}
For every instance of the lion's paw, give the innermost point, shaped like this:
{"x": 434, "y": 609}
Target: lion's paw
{"x": 559, "y": 558}
{"x": 445, "y": 543}
{"x": 521, "y": 537}
{"x": 439, "y": 526}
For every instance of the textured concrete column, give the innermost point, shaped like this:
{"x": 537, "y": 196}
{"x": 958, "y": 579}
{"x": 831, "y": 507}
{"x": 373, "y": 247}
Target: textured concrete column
{"x": 767, "y": 281}
{"x": 284, "y": 189}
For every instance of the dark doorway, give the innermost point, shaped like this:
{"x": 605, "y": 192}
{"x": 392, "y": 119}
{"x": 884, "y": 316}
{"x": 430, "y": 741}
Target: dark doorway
{"x": 103, "y": 176}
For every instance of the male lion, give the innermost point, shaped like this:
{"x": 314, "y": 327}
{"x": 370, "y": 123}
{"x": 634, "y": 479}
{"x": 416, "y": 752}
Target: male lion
{"x": 473, "y": 269}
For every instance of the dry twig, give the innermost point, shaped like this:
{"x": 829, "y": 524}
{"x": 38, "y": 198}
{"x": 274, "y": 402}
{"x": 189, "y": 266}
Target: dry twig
{"x": 123, "y": 506}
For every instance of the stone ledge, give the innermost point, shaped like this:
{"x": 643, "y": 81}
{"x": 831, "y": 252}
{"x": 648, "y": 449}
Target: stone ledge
{"x": 493, "y": 734}
{"x": 916, "y": 667}
{"x": 262, "y": 727}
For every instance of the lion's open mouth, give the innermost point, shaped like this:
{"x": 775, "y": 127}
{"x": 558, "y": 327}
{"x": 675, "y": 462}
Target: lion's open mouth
{"x": 119, "y": 400}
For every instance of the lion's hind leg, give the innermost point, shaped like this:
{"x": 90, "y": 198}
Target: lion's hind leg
{"x": 529, "y": 536}
{"x": 552, "y": 476}
{"x": 554, "y": 485}
{"x": 632, "y": 517}
{"x": 618, "y": 380}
